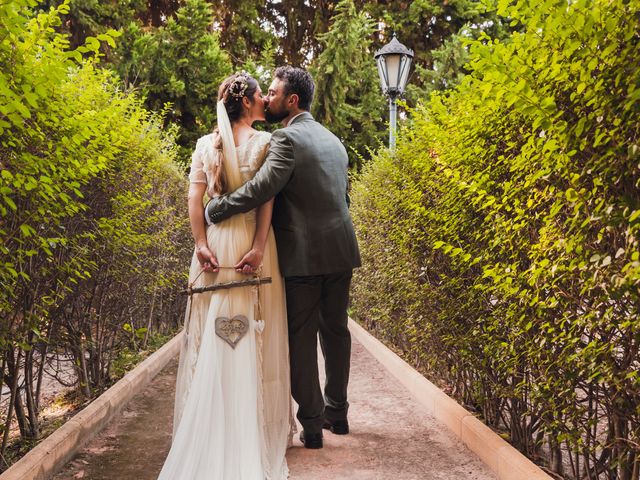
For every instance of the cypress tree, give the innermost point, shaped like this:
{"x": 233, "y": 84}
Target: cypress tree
{"x": 348, "y": 99}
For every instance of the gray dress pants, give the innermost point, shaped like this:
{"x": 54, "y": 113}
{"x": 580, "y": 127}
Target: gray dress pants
{"x": 317, "y": 305}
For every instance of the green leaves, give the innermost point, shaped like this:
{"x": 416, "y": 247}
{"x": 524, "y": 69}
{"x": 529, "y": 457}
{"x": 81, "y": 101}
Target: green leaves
{"x": 181, "y": 63}
{"x": 571, "y": 195}
{"x": 27, "y": 230}
{"x": 350, "y": 105}
{"x": 91, "y": 201}
{"x": 514, "y": 274}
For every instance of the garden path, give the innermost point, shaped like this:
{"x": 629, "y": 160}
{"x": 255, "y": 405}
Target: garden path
{"x": 392, "y": 437}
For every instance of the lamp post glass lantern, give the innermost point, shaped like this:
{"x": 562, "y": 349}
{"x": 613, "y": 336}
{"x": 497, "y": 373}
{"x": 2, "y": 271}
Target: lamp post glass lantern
{"x": 394, "y": 63}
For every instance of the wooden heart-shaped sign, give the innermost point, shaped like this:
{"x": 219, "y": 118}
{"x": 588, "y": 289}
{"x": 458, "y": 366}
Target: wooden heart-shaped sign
{"x": 231, "y": 330}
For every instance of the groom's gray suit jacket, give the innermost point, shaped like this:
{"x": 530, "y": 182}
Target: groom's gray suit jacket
{"x": 306, "y": 170}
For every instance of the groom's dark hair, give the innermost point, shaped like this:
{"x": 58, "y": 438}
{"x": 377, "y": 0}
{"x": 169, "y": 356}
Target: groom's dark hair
{"x": 298, "y": 81}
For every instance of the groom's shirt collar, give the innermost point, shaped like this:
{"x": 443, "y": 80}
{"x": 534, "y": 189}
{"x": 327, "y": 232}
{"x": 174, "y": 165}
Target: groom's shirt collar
{"x": 293, "y": 118}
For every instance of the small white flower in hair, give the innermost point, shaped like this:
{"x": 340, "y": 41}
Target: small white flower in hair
{"x": 239, "y": 86}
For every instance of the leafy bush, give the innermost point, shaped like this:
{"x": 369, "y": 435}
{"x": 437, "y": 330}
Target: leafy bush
{"x": 501, "y": 241}
{"x": 93, "y": 222}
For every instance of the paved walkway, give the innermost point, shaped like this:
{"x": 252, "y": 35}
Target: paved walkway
{"x": 391, "y": 437}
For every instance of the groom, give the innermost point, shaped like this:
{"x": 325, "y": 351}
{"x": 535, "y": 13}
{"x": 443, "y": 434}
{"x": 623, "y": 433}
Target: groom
{"x": 306, "y": 171}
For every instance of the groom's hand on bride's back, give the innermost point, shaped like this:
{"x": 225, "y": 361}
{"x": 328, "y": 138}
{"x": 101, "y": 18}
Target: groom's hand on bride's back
{"x": 210, "y": 209}
{"x": 272, "y": 176}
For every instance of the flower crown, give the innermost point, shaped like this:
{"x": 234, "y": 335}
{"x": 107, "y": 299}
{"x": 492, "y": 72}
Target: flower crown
{"x": 238, "y": 86}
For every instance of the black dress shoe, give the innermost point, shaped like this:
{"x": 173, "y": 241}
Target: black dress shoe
{"x": 311, "y": 440}
{"x": 339, "y": 427}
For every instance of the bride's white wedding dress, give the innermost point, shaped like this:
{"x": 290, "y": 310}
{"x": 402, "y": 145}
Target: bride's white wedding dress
{"x": 232, "y": 418}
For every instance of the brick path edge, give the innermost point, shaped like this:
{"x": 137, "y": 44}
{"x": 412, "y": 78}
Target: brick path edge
{"x": 500, "y": 456}
{"x": 50, "y": 455}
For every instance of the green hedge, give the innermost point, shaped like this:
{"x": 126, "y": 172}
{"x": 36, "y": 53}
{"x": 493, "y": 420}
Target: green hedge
{"x": 500, "y": 242}
{"x": 94, "y": 237}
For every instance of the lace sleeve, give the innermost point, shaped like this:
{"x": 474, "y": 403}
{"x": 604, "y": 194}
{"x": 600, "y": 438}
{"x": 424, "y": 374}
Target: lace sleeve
{"x": 197, "y": 175}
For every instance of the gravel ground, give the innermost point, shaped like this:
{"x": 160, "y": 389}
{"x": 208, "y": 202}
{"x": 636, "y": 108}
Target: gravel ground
{"x": 392, "y": 437}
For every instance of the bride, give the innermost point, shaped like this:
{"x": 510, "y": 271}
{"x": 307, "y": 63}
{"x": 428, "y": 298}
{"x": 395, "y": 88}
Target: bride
{"x": 232, "y": 417}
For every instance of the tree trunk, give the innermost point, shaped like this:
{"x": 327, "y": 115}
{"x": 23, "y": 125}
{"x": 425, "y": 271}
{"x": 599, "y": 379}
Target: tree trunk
{"x": 43, "y": 351}
{"x": 150, "y": 319}
{"x": 14, "y": 367}
{"x": 32, "y": 412}
{"x": 81, "y": 368}
{"x": 555, "y": 452}
{"x": 13, "y": 386}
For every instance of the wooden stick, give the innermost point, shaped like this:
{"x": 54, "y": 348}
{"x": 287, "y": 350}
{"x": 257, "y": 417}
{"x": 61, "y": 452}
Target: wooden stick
{"x": 226, "y": 286}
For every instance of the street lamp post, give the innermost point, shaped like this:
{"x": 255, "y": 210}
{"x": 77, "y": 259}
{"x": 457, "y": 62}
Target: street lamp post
{"x": 394, "y": 62}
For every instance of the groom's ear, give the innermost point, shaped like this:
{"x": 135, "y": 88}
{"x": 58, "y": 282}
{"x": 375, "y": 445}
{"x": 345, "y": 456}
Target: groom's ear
{"x": 294, "y": 99}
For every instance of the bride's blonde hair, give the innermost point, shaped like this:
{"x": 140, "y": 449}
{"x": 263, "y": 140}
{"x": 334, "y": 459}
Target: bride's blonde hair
{"x": 232, "y": 90}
